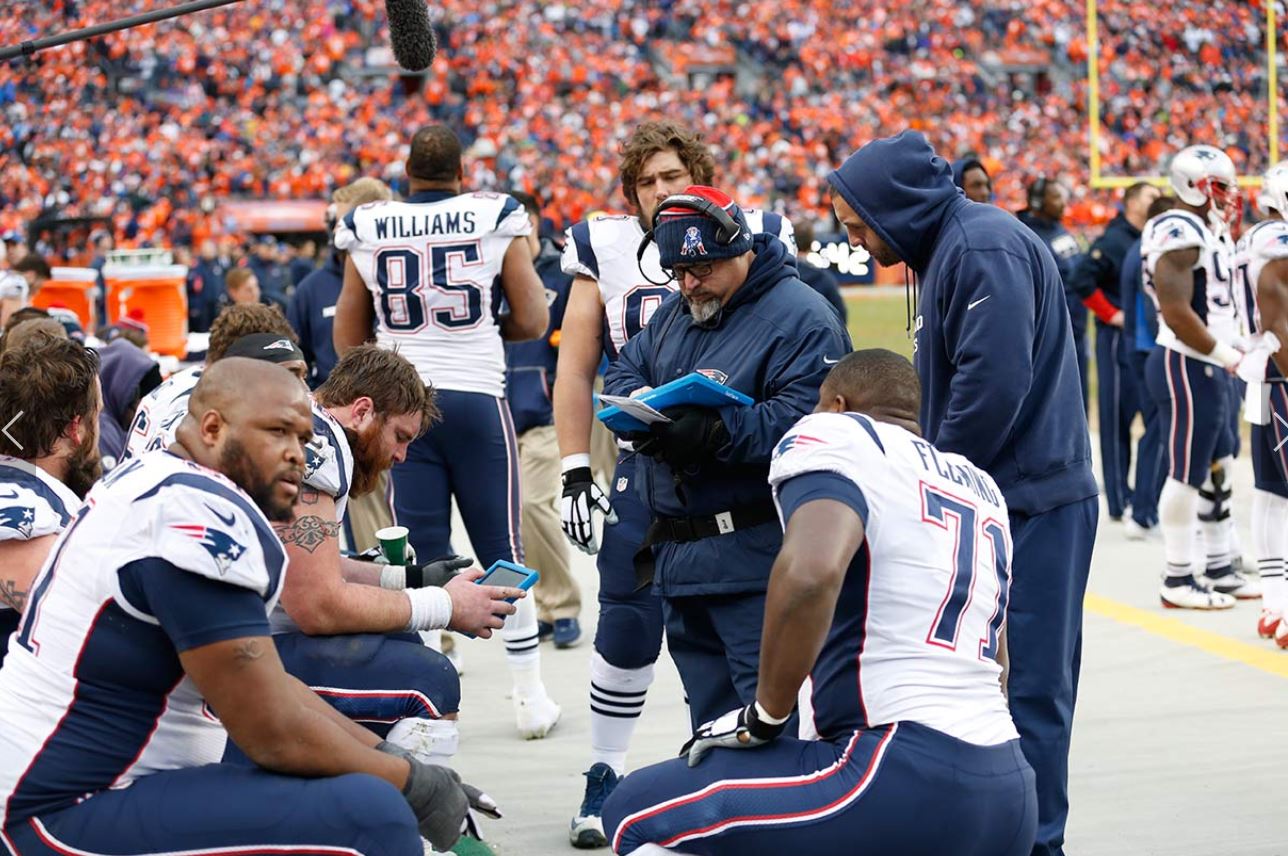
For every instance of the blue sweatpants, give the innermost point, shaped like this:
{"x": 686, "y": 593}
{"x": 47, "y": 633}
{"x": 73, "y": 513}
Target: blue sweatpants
{"x": 1151, "y": 465}
{"x": 715, "y": 643}
{"x": 1116, "y": 397}
{"x": 1044, "y": 642}
{"x": 473, "y": 455}
{"x": 228, "y": 810}
{"x": 1270, "y": 444}
{"x": 629, "y": 635}
{"x": 895, "y": 789}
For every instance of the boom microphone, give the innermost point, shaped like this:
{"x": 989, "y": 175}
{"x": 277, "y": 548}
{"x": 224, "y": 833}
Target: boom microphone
{"x": 411, "y": 36}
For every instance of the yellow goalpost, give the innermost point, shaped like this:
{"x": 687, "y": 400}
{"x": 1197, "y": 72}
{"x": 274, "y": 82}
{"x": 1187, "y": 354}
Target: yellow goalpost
{"x": 1093, "y": 98}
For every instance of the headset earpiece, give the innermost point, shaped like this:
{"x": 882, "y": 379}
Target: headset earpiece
{"x": 729, "y": 230}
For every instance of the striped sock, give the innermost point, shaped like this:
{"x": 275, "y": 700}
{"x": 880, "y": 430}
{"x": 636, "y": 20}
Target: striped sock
{"x": 616, "y": 701}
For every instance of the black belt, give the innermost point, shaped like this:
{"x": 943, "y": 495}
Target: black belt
{"x": 683, "y": 530}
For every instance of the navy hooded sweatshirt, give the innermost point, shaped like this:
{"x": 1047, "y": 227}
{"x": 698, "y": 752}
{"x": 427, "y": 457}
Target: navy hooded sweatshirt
{"x": 127, "y": 373}
{"x": 993, "y": 346}
{"x": 775, "y": 340}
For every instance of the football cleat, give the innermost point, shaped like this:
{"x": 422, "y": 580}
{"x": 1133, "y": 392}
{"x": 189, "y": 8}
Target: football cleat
{"x": 1268, "y": 623}
{"x": 1231, "y": 582}
{"x": 587, "y": 830}
{"x": 1194, "y": 595}
{"x": 535, "y": 715}
{"x": 1281, "y": 634}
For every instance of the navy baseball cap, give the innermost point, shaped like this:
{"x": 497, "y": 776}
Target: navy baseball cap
{"x": 269, "y": 347}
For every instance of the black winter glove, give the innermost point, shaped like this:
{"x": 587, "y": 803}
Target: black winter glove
{"x": 439, "y": 799}
{"x": 693, "y": 436}
{"x": 436, "y": 573}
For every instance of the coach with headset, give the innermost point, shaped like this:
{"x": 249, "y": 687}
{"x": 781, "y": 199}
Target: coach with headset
{"x": 744, "y": 318}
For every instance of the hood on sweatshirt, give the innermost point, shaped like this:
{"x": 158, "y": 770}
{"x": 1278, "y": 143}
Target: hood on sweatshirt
{"x": 123, "y": 366}
{"x": 903, "y": 190}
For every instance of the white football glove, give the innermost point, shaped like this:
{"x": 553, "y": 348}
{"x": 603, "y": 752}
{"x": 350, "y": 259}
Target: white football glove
{"x": 581, "y": 499}
{"x": 737, "y": 729}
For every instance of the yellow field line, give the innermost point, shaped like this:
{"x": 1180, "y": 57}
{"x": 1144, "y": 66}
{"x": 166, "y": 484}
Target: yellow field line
{"x": 1265, "y": 657}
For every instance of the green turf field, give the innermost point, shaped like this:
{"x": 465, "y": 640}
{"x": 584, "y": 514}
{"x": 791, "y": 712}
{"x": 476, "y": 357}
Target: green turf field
{"x": 879, "y": 321}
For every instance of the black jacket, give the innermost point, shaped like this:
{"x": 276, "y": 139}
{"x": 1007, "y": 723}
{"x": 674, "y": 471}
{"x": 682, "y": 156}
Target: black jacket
{"x": 1102, "y": 266}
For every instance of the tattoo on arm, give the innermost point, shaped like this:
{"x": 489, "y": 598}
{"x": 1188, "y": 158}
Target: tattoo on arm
{"x": 11, "y": 595}
{"x": 307, "y": 533}
{"x": 308, "y": 496}
{"x": 248, "y": 651}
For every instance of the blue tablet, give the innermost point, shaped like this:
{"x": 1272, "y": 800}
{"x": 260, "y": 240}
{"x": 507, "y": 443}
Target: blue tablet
{"x": 504, "y": 573}
{"x": 694, "y": 389}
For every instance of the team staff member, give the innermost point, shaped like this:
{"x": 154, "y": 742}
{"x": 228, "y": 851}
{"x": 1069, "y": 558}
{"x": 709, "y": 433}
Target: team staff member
{"x": 744, "y": 318}
{"x": 999, "y": 385}
{"x": 1095, "y": 280}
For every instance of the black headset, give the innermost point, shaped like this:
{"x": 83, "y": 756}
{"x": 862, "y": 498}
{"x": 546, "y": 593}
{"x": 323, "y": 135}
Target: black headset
{"x": 728, "y": 228}
{"x": 1036, "y": 191}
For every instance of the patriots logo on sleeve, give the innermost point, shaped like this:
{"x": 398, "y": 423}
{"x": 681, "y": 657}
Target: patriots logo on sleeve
{"x": 20, "y": 518}
{"x": 1176, "y": 232}
{"x": 314, "y": 457}
{"x": 221, "y": 546}
{"x": 792, "y": 441}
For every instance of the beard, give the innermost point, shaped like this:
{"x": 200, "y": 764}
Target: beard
{"x": 370, "y": 460}
{"x": 703, "y": 311}
{"x": 235, "y": 463}
{"x": 84, "y": 467}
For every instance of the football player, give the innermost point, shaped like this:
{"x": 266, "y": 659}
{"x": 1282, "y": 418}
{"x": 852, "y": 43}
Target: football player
{"x": 161, "y": 410}
{"x": 49, "y": 459}
{"x": 891, "y": 586}
{"x": 616, "y": 291}
{"x": 1261, "y": 285}
{"x": 147, "y": 636}
{"x": 1187, "y": 271}
{"x": 422, "y": 272}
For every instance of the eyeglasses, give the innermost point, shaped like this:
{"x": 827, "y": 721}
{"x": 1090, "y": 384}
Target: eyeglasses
{"x": 698, "y": 272}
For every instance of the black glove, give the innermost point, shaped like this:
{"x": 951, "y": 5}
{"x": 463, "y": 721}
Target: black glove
{"x": 436, "y": 573}
{"x": 693, "y": 436}
{"x": 737, "y": 729}
{"x": 439, "y": 799}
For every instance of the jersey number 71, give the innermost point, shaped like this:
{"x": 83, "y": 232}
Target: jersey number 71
{"x": 959, "y": 517}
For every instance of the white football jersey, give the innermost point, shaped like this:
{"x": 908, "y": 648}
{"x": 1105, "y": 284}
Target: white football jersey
{"x": 432, "y": 264}
{"x": 33, "y": 504}
{"x": 92, "y": 693}
{"x": 1263, "y": 243}
{"x": 328, "y": 469}
{"x": 606, "y": 250}
{"x": 160, "y": 412}
{"x": 915, "y": 632}
{"x": 1213, "y": 299}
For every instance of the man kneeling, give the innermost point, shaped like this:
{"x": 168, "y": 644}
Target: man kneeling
{"x": 890, "y": 591}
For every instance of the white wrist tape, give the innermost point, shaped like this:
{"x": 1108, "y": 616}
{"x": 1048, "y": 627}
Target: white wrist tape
{"x": 572, "y": 462}
{"x": 393, "y": 577}
{"x": 763, "y": 716}
{"x": 431, "y": 608}
{"x": 1226, "y": 355}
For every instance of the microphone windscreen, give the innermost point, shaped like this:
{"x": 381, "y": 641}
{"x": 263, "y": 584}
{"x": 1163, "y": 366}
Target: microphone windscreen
{"x": 411, "y": 36}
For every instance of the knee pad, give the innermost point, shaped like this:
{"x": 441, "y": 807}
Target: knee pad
{"x": 626, "y": 638}
{"x": 433, "y": 741}
{"x": 1215, "y": 494}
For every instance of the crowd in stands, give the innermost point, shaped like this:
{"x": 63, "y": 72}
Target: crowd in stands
{"x": 267, "y": 98}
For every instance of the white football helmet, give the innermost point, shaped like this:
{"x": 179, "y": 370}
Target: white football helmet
{"x": 1274, "y": 190}
{"x": 1202, "y": 173}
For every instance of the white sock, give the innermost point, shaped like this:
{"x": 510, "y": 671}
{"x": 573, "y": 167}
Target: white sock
{"x": 656, "y": 850}
{"x": 1177, "y": 508}
{"x": 1269, "y": 519}
{"x": 1216, "y": 533}
{"x": 522, "y": 648}
{"x": 616, "y": 701}
{"x": 432, "y": 741}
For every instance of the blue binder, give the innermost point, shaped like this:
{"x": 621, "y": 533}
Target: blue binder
{"x": 693, "y": 389}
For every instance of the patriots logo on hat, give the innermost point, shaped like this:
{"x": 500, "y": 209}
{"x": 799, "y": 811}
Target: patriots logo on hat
{"x": 1204, "y": 153}
{"x": 693, "y": 243}
{"x": 20, "y": 518}
{"x": 220, "y": 545}
{"x": 280, "y": 345}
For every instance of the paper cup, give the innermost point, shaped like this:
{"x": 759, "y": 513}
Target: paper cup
{"x": 393, "y": 543}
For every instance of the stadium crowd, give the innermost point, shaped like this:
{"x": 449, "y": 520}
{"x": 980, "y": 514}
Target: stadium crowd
{"x": 269, "y": 99}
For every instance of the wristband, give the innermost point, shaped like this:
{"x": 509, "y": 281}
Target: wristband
{"x": 1226, "y": 355}
{"x": 431, "y": 608}
{"x": 764, "y": 716}
{"x": 572, "y": 462}
{"x": 393, "y": 577}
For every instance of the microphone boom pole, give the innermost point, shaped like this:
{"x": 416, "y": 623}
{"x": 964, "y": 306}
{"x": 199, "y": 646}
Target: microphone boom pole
{"x": 26, "y": 49}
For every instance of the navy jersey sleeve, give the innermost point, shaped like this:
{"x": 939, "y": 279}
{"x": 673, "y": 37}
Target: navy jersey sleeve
{"x": 192, "y": 610}
{"x": 807, "y": 487}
